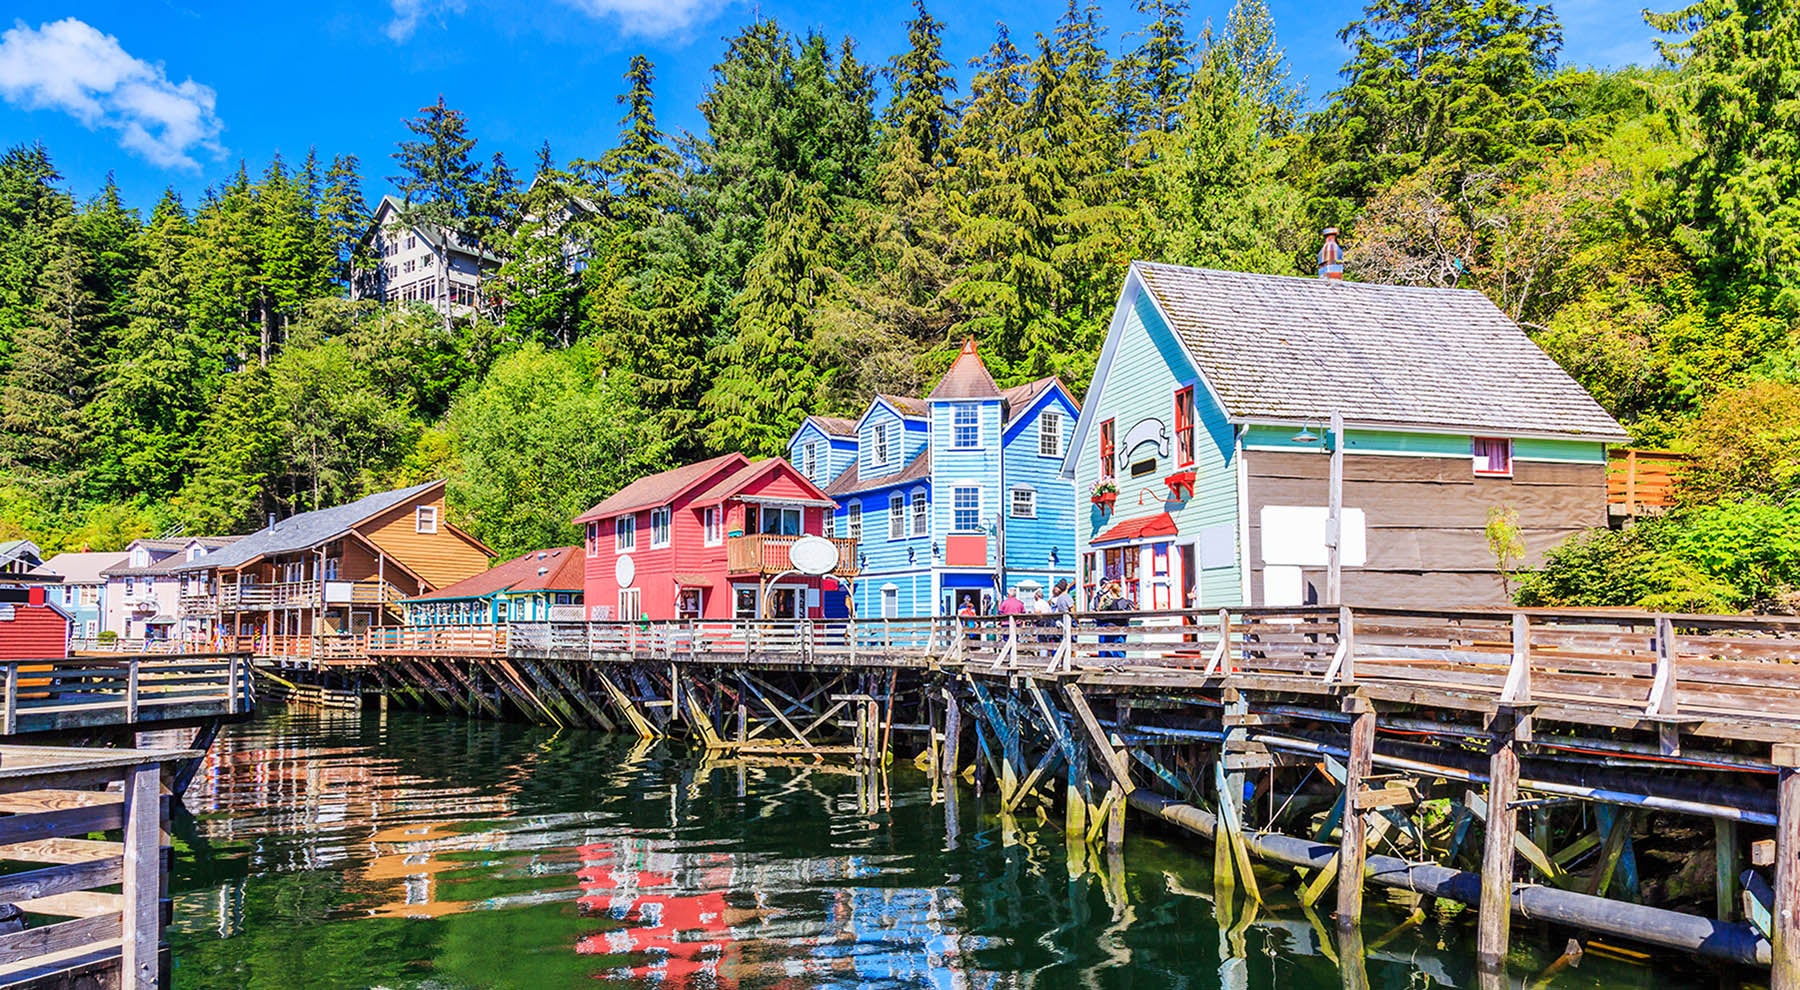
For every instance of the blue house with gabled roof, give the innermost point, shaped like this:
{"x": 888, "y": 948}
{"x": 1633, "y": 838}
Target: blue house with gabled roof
{"x": 955, "y": 496}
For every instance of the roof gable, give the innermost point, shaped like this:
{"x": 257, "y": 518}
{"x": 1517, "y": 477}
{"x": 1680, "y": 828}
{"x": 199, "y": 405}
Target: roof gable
{"x": 553, "y": 569}
{"x": 308, "y": 529}
{"x": 1285, "y": 348}
{"x": 663, "y": 487}
{"x": 760, "y": 475}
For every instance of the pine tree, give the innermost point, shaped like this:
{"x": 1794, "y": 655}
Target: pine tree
{"x": 54, "y": 361}
{"x": 30, "y": 203}
{"x": 344, "y": 217}
{"x": 108, "y": 233}
{"x": 768, "y": 380}
{"x": 1261, "y": 65}
{"x": 641, "y": 170}
{"x": 292, "y": 261}
{"x": 1161, "y": 66}
{"x": 919, "y": 107}
{"x": 440, "y": 182}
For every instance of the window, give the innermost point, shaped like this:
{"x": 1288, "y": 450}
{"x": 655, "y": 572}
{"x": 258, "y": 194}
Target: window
{"x": 593, "y": 539}
{"x": 140, "y": 557}
{"x": 780, "y": 520}
{"x": 425, "y": 262}
{"x": 625, "y": 533}
{"x": 425, "y": 519}
{"x": 966, "y": 509}
{"x": 966, "y": 427}
{"x": 1107, "y": 451}
{"x": 883, "y": 446}
{"x": 713, "y": 532}
{"x": 406, "y": 267}
{"x": 1050, "y": 434}
{"x": 890, "y": 602}
{"x": 1493, "y": 456}
{"x": 853, "y": 520}
{"x": 659, "y": 527}
{"x": 1024, "y": 503}
{"x": 921, "y": 520}
{"x": 630, "y": 604}
{"x": 412, "y": 241}
{"x": 830, "y": 528}
{"x": 896, "y": 516}
{"x": 809, "y": 459}
{"x": 1184, "y": 427}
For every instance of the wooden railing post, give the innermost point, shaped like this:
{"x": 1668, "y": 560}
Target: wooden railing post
{"x": 1223, "y": 650}
{"x": 1662, "y": 689}
{"x": 1068, "y": 641}
{"x": 1011, "y": 646}
{"x": 1343, "y": 660}
{"x": 142, "y": 887}
{"x": 1518, "y": 676}
{"x": 9, "y": 719}
{"x": 131, "y": 692}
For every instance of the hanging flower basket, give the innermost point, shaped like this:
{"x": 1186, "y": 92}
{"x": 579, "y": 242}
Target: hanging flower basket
{"x": 1106, "y": 500}
{"x": 1104, "y": 494}
{"x": 1181, "y": 485}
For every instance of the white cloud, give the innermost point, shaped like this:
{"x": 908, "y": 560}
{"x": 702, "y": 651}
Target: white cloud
{"x": 67, "y": 65}
{"x": 651, "y": 18}
{"x": 408, "y": 13}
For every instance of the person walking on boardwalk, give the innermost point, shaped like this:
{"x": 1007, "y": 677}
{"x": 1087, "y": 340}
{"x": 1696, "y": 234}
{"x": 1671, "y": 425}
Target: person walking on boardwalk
{"x": 1062, "y": 601}
{"x": 1011, "y": 605}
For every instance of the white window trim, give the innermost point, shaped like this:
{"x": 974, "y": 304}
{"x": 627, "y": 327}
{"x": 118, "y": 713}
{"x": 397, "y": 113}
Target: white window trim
{"x": 1012, "y": 502}
{"x": 425, "y": 519}
{"x": 668, "y": 528}
{"x": 918, "y": 510}
{"x": 853, "y": 520}
{"x": 1054, "y": 433}
{"x": 1484, "y": 472}
{"x": 636, "y": 597}
{"x": 978, "y": 509}
{"x": 625, "y": 533}
{"x": 712, "y": 530}
{"x": 956, "y": 411}
{"x": 883, "y": 453}
{"x": 897, "y": 528}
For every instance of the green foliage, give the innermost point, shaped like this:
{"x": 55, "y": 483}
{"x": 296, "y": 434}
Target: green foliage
{"x": 546, "y": 435}
{"x": 1506, "y": 542}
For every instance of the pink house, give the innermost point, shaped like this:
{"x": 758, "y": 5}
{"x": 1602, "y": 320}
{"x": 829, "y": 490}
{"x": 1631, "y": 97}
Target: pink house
{"x": 710, "y": 541}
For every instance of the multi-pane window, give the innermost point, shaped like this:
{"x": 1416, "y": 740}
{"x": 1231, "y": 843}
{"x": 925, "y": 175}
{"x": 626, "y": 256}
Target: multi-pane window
{"x": 1024, "y": 503}
{"x": 921, "y": 519}
{"x": 883, "y": 446}
{"x": 593, "y": 539}
{"x": 809, "y": 459}
{"x": 1184, "y": 427}
{"x": 853, "y": 520}
{"x": 1492, "y": 456}
{"x": 966, "y": 426}
{"x": 1108, "y": 451}
{"x": 830, "y": 530}
{"x": 965, "y": 505}
{"x": 659, "y": 527}
{"x": 896, "y": 516}
{"x": 710, "y": 527}
{"x": 1050, "y": 434}
{"x": 625, "y": 533}
{"x": 425, "y": 519}
{"x": 630, "y": 604}
{"x": 780, "y": 520}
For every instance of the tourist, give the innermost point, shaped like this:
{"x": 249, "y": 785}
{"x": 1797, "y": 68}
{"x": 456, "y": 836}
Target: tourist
{"x": 1063, "y": 600}
{"x": 1011, "y": 605}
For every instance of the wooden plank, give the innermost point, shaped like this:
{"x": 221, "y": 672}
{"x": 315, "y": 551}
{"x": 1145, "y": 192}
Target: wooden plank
{"x": 74, "y": 904}
{"x": 30, "y": 802}
{"x": 60, "y": 850}
{"x": 70, "y": 821}
{"x": 20, "y": 946}
{"x": 51, "y": 880}
{"x": 1785, "y": 938}
{"x": 1494, "y": 916}
{"x": 142, "y": 883}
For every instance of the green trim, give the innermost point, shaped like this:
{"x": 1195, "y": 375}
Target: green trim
{"x": 1423, "y": 444}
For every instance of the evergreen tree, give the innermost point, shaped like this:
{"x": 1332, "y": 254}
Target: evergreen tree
{"x": 292, "y": 260}
{"x": 108, "y": 233}
{"x": 1160, "y": 66}
{"x": 641, "y": 170}
{"x": 30, "y": 204}
{"x": 440, "y": 184}
{"x": 1261, "y": 65}
{"x": 1740, "y": 82}
{"x": 54, "y": 362}
{"x": 919, "y": 108}
{"x": 344, "y": 218}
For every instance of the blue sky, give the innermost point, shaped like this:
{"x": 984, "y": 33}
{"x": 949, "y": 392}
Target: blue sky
{"x": 176, "y": 92}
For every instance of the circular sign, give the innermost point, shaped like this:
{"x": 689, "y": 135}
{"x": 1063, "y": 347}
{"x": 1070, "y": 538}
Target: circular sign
{"x": 814, "y": 555}
{"x": 624, "y": 571}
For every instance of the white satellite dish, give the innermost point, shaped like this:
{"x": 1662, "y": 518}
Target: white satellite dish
{"x": 813, "y": 555}
{"x": 624, "y": 571}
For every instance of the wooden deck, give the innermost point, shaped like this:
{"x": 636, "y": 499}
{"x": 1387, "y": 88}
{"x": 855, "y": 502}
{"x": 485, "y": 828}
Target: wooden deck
{"x": 54, "y": 799}
{"x": 142, "y": 691}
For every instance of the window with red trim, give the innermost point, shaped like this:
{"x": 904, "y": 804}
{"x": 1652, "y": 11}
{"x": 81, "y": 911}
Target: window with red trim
{"x": 1184, "y": 427}
{"x": 1106, "y": 450}
{"x": 1493, "y": 456}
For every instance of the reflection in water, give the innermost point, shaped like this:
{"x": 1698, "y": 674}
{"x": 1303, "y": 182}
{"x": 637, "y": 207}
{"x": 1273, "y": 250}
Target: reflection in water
{"x": 404, "y": 851}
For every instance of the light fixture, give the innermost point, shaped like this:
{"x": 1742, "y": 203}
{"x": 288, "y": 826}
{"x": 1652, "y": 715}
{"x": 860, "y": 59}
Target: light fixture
{"x": 1306, "y": 435}
{"x": 1052, "y": 556}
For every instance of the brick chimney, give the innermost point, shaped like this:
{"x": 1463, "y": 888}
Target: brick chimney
{"x": 1331, "y": 256}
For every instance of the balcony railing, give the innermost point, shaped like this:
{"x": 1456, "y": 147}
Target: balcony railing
{"x": 305, "y": 594}
{"x": 199, "y": 603}
{"x": 766, "y": 554}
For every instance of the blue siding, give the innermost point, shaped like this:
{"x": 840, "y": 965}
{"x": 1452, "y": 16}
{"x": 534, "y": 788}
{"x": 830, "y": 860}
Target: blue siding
{"x": 832, "y": 455}
{"x": 1040, "y": 549}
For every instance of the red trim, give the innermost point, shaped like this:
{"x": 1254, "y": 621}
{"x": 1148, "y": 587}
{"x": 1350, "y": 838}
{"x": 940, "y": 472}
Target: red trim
{"x": 1108, "y": 449}
{"x": 1161, "y": 524}
{"x": 1184, "y": 427}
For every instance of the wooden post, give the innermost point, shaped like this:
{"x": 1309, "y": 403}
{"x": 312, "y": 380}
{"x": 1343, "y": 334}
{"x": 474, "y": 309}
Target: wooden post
{"x": 9, "y": 719}
{"x": 142, "y": 887}
{"x": 952, "y": 740}
{"x": 1785, "y": 939}
{"x": 1352, "y": 848}
{"x": 1334, "y": 516}
{"x": 232, "y": 677}
{"x": 1494, "y": 916}
{"x": 131, "y": 693}
{"x": 1726, "y": 858}
{"x": 1075, "y": 801}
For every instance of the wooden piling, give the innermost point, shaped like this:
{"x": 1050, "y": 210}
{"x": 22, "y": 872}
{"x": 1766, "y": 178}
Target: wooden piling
{"x": 952, "y": 740}
{"x": 1727, "y": 860}
{"x": 1494, "y": 916}
{"x": 1352, "y": 847}
{"x": 1784, "y": 974}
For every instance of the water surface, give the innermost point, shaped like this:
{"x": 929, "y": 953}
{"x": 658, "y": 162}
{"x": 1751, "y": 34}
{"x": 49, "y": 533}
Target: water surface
{"x": 410, "y": 851}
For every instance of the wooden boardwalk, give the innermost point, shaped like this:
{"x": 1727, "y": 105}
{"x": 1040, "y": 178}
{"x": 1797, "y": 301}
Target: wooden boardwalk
{"x": 1511, "y": 760}
{"x": 126, "y": 692}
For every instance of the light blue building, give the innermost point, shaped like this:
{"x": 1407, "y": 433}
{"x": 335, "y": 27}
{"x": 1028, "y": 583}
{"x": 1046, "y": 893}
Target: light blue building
{"x": 958, "y": 495}
{"x": 82, "y": 591}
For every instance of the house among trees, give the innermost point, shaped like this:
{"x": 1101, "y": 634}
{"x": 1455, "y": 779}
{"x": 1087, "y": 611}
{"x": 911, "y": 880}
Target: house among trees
{"x": 540, "y": 586}
{"x": 81, "y": 591}
{"x": 313, "y": 582}
{"x": 144, "y": 596}
{"x": 956, "y": 496}
{"x": 710, "y": 540}
{"x": 401, "y": 261}
{"x": 1203, "y": 453}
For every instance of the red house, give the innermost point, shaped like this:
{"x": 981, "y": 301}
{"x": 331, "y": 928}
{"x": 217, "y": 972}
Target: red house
{"x": 710, "y": 541}
{"x": 30, "y": 627}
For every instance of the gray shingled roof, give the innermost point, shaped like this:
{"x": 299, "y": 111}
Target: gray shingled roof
{"x": 307, "y": 530}
{"x": 850, "y": 482}
{"x": 1286, "y": 348}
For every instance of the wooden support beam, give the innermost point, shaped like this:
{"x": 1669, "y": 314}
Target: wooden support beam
{"x": 1351, "y": 848}
{"x": 582, "y": 696}
{"x": 141, "y": 920}
{"x": 1230, "y": 833}
{"x": 1785, "y": 938}
{"x": 1727, "y": 860}
{"x": 1111, "y": 760}
{"x": 1494, "y": 916}
{"x": 626, "y": 706}
{"x": 952, "y": 740}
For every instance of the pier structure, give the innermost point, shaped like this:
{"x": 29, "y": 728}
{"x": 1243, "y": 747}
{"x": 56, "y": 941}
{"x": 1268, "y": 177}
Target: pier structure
{"x": 1512, "y": 761}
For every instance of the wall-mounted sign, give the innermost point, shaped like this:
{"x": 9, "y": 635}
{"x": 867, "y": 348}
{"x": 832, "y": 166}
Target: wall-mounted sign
{"x": 625, "y": 571}
{"x": 813, "y": 555}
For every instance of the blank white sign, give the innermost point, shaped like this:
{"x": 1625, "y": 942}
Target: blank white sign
{"x": 1283, "y": 586}
{"x": 1218, "y": 546}
{"x": 1294, "y": 535}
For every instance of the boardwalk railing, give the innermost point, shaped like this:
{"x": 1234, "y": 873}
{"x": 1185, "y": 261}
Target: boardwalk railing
{"x": 55, "y": 799}
{"x": 76, "y": 692}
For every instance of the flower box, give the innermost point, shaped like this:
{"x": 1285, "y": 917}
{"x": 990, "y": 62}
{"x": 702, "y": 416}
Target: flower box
{"x": 1105, "y": 499}
{"x": 1181, "y": 485}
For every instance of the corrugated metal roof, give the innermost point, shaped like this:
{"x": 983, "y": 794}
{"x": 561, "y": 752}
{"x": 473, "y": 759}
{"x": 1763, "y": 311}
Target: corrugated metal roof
{"x": 661, "y": 488}
{"x": 561, "y": 567}
{"x": 1288, "y": 348}
{"x": 307, "y": 529}
{"x": 967, "y": 378}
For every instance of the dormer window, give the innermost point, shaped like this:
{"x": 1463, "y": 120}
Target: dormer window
{"x": 425, "y": 519}
{"x": 140, "y": 557}
{"x": 883, "y": 446}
